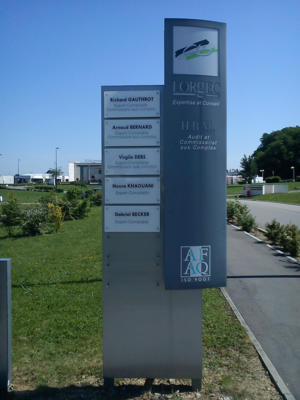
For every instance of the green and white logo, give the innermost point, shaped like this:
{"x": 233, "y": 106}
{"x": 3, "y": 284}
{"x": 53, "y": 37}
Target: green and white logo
{"x": 195, "y": 51}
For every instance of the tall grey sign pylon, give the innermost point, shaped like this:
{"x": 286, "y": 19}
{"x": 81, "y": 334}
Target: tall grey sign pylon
{"x": 164, "y": 163}
{"x": 195, "y": 164}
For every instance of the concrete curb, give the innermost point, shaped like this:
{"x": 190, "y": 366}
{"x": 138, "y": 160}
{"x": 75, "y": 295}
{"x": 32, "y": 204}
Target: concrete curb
{"x": 294, "y": 260}
{"x": 281, "y": 386}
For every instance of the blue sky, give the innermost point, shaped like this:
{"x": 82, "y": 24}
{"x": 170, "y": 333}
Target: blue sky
{"x": 56, "y": 55}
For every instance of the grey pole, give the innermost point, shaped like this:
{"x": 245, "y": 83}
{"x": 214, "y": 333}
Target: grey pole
{"x": 293, "y": 168}
{"x": 56, "y": 148}
{"x": 5, "y": 323}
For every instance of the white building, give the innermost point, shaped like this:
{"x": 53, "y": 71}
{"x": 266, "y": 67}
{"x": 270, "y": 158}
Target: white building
{"x": 233, "y": 179}
{"x": 39, "y": 178}
{"x": 258, "y": 179}
{"x": 6, "y": 180}
{"x": 88, "y": 172}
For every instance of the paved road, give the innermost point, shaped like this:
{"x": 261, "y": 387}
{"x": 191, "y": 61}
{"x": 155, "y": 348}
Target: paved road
{"x": 270, "y": 306}
{"x": 265, "y": 211}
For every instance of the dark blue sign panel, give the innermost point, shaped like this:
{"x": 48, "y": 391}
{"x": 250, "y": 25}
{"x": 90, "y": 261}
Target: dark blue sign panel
{"x": 194, "y": 154}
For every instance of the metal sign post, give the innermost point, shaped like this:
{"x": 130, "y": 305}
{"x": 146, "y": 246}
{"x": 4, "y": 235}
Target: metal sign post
{"x": 195, "y": 163}
{"x": 147, "y": 331}
{"x": 5, "y": 323}
{"x": 164, "y": 163}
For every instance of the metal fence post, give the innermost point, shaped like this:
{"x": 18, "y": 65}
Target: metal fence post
{"x": 5, "y": 323}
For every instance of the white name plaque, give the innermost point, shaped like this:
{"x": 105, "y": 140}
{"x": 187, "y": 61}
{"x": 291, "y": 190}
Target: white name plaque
{"x": 132, "y": 219}
{"x": 144, "y": 190}
{"x": 133, "y": 132}
{"x": 133, "y": 103}
{"x": 140, "y": 161}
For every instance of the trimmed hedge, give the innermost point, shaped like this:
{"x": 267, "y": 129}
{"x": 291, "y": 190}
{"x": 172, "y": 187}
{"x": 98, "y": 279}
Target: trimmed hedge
{"x": 273, "y": 179}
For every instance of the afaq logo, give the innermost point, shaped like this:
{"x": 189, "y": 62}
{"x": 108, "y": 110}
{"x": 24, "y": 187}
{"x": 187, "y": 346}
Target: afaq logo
{"x": 195, "y": 262}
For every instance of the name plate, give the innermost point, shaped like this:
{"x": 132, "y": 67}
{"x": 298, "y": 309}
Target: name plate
{"x": 132, "y": 219}
{"x": 133, "y": 103}
{"x": 132, "y": 190}
{"x": 142, "y": 161}
{"x": 133, "y": 132}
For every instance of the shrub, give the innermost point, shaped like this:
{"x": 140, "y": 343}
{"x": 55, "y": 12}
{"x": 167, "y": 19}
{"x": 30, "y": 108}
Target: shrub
{"x": 34, "y": 220}
{"x": 247, "y": 222}
{"x": 274, "y": 231}
{"x": 80, "y": 209}
{"x": 49, "y": 198}
{"x": 11, "y": 215}
{"x": 290, "y": 239}
{"x": 44, "y": 188}
{"x": 241, "y": 210}
{"x": 72, "y": 203}
{"x": 80, "y": 183}
{"x": 298, "y": 178}
{"x": 239, "y": 213}
{"x": 74, "y": 193}
{"x": 272, "y": 179}
{"x": 95, "y": 197}
{"x": 55, "y": 216}
{"x": 230, "y": 210}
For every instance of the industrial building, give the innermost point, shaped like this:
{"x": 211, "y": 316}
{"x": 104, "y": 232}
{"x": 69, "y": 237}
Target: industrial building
{"x": 88, "y": 172}
{"x": 39, "y": 178}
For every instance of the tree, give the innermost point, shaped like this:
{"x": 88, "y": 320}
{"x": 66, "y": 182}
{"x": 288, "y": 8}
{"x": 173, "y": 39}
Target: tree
{"x": 278, "y": 152}
{"x": 11, "y": 215}
{"x": 53, "y": 172}
{"x": 249, "y": 168}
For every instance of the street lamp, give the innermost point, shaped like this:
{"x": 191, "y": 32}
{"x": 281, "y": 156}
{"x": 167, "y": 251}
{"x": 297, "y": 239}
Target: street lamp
{"x": 19, "y": 166}
{"x": 293, "y": 168}
{"x": 56, "y": 148}
{"x": 262, "y": 173}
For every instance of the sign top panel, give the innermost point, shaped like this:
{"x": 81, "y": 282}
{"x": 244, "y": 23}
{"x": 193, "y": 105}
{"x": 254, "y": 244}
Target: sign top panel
{"x": 195, "y": 51}
{"x": 194, "y": 47}
{"x": 131, "y": 104}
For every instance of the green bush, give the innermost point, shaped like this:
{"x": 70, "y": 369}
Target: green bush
{"x": 75, "y": 209}
{"x": 298, "y": 178}
{"x": 74, "y": 193}
{"x": 273, "y": 179}
{"x": 72, "y": 203}
{"x": 290, "y": 239}
{"x": 230, "y": 210}
{"x": 80, "y": 183}
{"x": 11, "y": 215}
{"x": 274, "y": 231}
{"x": 241, "y": 210}
{"x": 44, "y": 188}
{"x": 247, "y": 222}
{"x": 239, "y": 213}
{"x": 34, "y": 221}
{"x": 95, "y": 197}
{"x": 55, "y": 217}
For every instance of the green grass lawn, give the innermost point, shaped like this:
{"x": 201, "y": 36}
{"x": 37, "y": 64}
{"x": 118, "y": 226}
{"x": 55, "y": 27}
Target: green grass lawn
{"x": 56, "y": 303}
{"x": 24, "y": 196}
{"x": 289, "y": 198}
{"x": 234, "y": 189}
{"x": 57, "y": 318}
{"x": 294, "y": 186}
